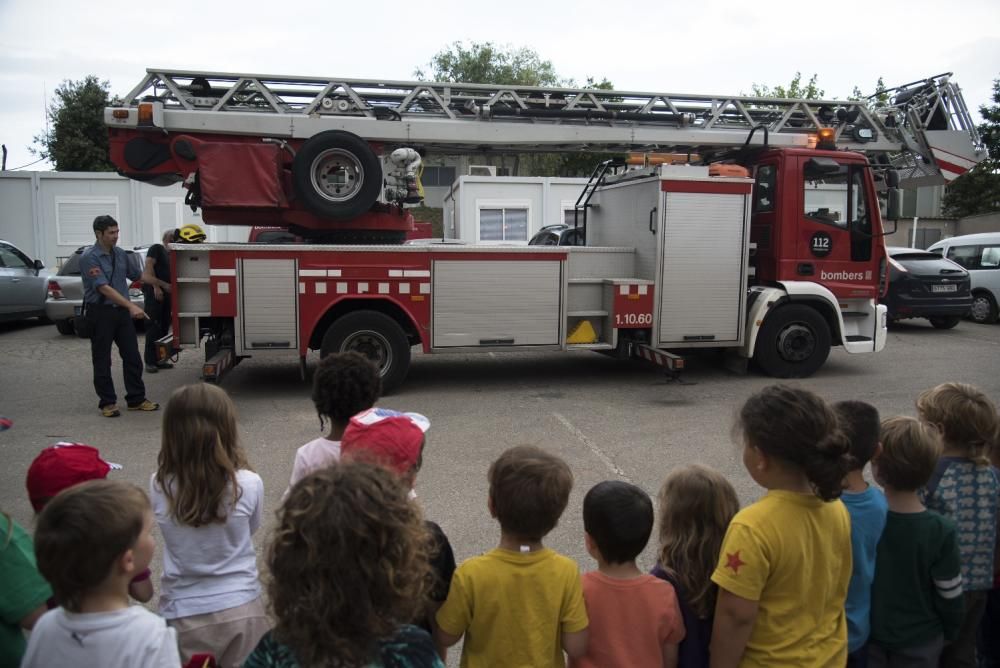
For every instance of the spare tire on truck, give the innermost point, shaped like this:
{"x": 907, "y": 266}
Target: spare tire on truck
{"x": 337, "y": 175}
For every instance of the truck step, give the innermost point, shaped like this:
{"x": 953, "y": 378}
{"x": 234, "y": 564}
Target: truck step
{"x": 857, "y": 339}
{"x": 853, "y": 314}
{"x": 589, "y": 346}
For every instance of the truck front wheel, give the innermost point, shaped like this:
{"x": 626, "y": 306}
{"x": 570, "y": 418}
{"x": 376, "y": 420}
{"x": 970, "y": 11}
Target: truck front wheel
{"x": 794, "y": 342}
{"x": 376, "y": 336}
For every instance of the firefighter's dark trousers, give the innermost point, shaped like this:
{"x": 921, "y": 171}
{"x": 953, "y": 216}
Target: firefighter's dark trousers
{"x": 114, "y": 325}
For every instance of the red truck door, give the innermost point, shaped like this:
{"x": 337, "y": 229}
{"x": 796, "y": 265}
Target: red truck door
{"x": 835, "y": 216}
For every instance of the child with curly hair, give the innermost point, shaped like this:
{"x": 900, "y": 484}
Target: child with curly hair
{"x": 344, "y": 385}
{"x": 396, "y": 442}
{"x": 965, "y": 488}
{"x": 208, "y": 503}
{"x": 348, "y": 570}
{"x": 785, "y": 561}
{"x": 696, "y": 505}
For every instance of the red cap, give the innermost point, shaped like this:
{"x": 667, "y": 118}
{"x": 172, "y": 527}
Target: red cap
{"x": 390, "y": 437}
{"x": 60, "y": 466}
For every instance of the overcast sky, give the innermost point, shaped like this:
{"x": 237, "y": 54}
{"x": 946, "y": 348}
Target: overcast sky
{"x": 723, "y": 47}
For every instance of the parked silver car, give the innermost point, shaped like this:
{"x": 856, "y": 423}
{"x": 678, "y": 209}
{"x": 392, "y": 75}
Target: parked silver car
{"x": 23, "y": 283}
{"x": 65, "y": 289}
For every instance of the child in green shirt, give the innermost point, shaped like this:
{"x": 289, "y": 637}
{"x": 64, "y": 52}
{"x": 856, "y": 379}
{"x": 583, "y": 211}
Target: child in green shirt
{"x": 917, "y": 591}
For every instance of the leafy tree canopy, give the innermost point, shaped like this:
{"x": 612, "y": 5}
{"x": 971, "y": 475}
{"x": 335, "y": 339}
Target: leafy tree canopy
{"x": 77, "y": 139}
{"x": 978, "y": 190}
{"x": 794, "y": 90}
{"x": 490, "y": 63}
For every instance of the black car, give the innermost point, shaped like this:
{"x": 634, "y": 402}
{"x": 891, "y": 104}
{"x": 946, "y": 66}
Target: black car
{"x": 559, "y": 234}
{"x": 926, "y": 285}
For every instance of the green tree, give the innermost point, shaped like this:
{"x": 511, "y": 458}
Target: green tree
{"x": 76, "y": 139}
{"x": 978, "y": 190}
{"x": 795, "y": 90}
{"x": 489, "y": 63}
{"x": 878, "y": 98}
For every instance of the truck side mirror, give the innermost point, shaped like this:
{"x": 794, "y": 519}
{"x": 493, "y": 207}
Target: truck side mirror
{"x": 892, "y": 178}
{"x": 894, "y": 207}
{"x": 893, "y": 210}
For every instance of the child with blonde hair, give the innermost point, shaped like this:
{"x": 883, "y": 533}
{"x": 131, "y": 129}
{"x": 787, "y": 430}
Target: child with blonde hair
{"x": 916, "y": 598}
{"x": 348, "y": 571}
{"x": 785, "y": 561}
{"x": 696, "y": 505}
{"x": 965, "y": 488}
{"x": 208, "y": 503}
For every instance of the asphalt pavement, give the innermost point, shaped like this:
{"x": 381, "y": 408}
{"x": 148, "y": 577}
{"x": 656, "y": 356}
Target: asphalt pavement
{"x": 608, "y": 419}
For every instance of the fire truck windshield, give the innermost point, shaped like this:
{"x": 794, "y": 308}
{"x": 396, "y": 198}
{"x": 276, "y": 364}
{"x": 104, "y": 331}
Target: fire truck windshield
{"x": 835, "y": 198}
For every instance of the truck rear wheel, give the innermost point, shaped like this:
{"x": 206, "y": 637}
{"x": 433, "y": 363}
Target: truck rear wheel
{"x": 337, "y": 175}
{"x": 376, "y": 336}
{"x": 794, "y": 342}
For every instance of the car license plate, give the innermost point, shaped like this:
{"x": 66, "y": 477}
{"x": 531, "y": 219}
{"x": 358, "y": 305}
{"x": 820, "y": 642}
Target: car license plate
{"x": 944, "y": 288}
{"x": 76, "y": 310}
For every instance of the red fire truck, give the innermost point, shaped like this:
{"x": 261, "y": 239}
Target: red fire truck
{"x": 767, "y": 244}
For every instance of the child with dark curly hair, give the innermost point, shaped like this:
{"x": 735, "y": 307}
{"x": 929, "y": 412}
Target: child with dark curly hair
{"x": 344, "y": 385}
{"x": 348, "y": 569}
{"x": 520, "y": 604}
{"x": 785, "y": 563}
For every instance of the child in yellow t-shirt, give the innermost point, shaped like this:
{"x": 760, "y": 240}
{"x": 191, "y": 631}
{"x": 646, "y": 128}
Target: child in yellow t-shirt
{"x": 785, "y": 562}
{"x": 520, "y": 604}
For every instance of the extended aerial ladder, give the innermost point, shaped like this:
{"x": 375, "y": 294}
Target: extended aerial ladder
{"x": 303, "y": 150}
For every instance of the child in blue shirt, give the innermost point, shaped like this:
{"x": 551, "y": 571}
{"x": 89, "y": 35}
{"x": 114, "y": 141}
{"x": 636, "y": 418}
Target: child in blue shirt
{"x": 867, "y": 508}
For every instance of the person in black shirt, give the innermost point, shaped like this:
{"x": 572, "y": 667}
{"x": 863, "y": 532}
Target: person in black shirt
{"x": 156, "y": 289}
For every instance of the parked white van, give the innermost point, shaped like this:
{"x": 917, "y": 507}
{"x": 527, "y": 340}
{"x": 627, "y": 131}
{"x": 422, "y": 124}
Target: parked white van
{"x": 980, "y": 254}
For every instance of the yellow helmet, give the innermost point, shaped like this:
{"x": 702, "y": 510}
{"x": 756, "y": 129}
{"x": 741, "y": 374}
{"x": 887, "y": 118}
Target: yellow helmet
{"x": 191, "y": 233}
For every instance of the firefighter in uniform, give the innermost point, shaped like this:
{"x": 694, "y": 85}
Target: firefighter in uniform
{"x": 106, "y": 271}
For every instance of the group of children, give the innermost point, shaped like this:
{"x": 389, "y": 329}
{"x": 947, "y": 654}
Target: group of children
{"x": 823, "y": 570}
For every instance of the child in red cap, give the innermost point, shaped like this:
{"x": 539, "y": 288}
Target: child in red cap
{"x": 390, "y": 438}
{"x": 64, "y": 465}
{"x": 396, "y": 441}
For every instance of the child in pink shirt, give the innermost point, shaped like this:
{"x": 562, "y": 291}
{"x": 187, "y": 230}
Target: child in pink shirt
{"x": 635, "y": 619}
{"x": 344, "y": 385}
